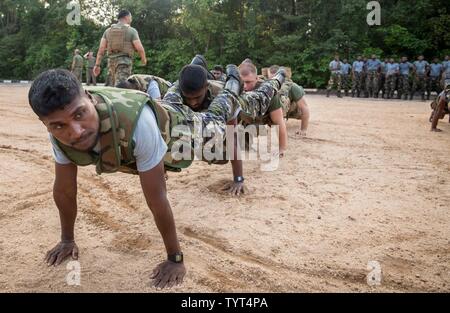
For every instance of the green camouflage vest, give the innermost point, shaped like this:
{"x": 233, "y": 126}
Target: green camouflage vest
{"x": 119, "y": 111}
{"x": 142, "y": 81}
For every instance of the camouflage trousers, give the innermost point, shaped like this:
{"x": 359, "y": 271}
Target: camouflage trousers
{"x": 90, "y": 77}
{"x": 390, "y": 85}
{"x": 403, "y": 85}
{"x": 119, "y": 70}
{"x": 78, "y": 72}
{"x": 346, "y": 83}
{"x": 372, "y": 83}
{"x": 357, "y": 83}
{"x": 420, "y": 83}
{"x": 335, "y": 81}
{"x": 382, "y": 83}
{"x": 249, "y": 107}
{"x": 434, "y": 85}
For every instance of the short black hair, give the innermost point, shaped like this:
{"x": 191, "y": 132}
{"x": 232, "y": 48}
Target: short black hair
{"x": 193, "y": 78}
{"x": 218, "y": 68}
{"x": 123, "y": 13}
{"x": 53, "y": 90}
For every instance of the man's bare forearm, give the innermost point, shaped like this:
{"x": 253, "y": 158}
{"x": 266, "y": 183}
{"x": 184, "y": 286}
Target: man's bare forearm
{"x": 66, "y": 202}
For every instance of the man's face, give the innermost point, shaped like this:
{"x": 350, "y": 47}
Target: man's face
{"x": 404, "y": 59}
{"x": 421, "y": 58}
{"x": 447, "y": 58}
{"x": 391, "y": 61}
{"x": 249, "y": 81}
{"x": 77, "y": 125}
{"x": 374, "y": 56}
{"x": 195, "y": 99}
{"x": 345, "y": 61}
{"x": 217, "y": 74}
{"x": 435, "y": 60}
{"x": 359, "y": 58}
{"x": 336, "y": 58}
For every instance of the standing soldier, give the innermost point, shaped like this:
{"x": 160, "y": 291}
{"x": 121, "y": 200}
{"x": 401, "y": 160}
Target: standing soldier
{"x": 335, "y": 78}
{"x": 382, "y": 83}
{"x": 77, "y": 65}
{"x": 121, "y": 40}
{"x": 364, "y": 77}
{"x": 420, "y": 81}
{"x": 373, "y": 70}
{"x": 435, "y": 77}
{"x": 403, "y": 83}
{"x": 391, "y": 78}
{"x": 357, "y": 76}
{"x": 90, "y": 77}
{"x": 346, "y": 69}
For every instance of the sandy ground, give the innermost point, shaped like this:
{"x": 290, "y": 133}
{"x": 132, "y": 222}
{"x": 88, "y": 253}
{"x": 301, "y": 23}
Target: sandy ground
{"x": 370, "y": 183}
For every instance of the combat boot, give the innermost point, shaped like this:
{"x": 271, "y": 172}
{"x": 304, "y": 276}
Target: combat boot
{"x": 280, "y": 76}
{"x": 200, "y": 60}
{"x": 233, "y": 82}
{"x": 339, "y": 94}
{"x": 328, "y": 93}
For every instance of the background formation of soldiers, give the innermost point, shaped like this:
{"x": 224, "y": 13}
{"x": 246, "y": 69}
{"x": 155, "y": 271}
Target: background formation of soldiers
{"x": 388, "y": 79}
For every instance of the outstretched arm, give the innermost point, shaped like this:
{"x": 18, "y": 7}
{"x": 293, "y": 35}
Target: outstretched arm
{"x": 65, "y": 196}
{"x": 153, "y": 185}
{"x": 100, "y": 53}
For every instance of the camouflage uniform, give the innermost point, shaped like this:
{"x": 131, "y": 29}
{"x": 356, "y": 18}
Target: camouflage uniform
{"x": 420, "y": 82}
{"x": 78, "y": 67}
{"x": 90, "y": 77}
{"x": 391, "y": 79}
{"x": 335, "y": 78}
{"x": 120, "y": 39}
{"x": 358, "y": 78}
{"x": 143, "y": 82}
{"x": 372, "y": 77}
{"x": 346, "y": 78}
{"x": 119, "y": 110}
{"x": 290, "y": 93}
{"x": 435, "y": 76}
{"x": 403, "y": 81}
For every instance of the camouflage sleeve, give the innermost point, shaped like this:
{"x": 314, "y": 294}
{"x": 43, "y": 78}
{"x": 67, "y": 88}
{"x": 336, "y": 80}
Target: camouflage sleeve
{"x": 173, "y": 95}
{"x": 296, "y": 93}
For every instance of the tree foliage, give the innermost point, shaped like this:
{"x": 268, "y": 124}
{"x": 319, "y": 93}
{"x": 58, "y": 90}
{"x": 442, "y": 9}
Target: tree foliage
{"x": 302, "y": 34}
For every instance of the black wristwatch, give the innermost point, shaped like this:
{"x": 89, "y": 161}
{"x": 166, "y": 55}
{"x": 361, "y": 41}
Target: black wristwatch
{"x": 176, "y": 257}
{"x": 239, "y": 179}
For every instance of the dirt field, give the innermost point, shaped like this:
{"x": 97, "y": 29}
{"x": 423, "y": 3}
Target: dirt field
{"x": 370, "y": 183}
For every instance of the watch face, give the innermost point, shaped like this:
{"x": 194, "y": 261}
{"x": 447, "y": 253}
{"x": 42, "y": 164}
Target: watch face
{"x": 178, "y": 258}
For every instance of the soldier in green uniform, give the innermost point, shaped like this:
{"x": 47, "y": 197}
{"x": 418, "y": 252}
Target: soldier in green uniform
{"x": 156, "y": 87}
{"x": 293, "y": 101}
{"x": 121, "y": 41}
{"x": 218, "y": 73}
{"x": 249, "y": 78}
{"x": 90, "y": 77}
{"x": 124, "y": 130}
{"x": 77, "y": 65}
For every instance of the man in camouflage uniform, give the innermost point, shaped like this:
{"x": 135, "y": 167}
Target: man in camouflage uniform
{"x": 336, "y": 76}
{"x": 357, "y": 77}
{"x": 420, "y": 81}
{"x": 405, "y": 69}
{"x": 90, "y": 77}
{"x": 436, "y": 70}
{"x": 77, "y": 65}
{"x": 346, "y": 70}
{"x": 218, "y": 73}
{"x": 121, "y": 41}
{"x": 124, "y": 130}
{"x": 293, "y": 101}
{"x": 382, "y": 82}
{"x": 156, "y": 87}
{"x": 392, "y": 70}
{"x": 373, "y": 70}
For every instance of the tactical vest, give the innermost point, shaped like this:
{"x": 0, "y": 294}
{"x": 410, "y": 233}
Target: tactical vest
{"x": 142, "y": 81}
{"x": 119, "y": 111}
{"x": 117, "y": 43}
